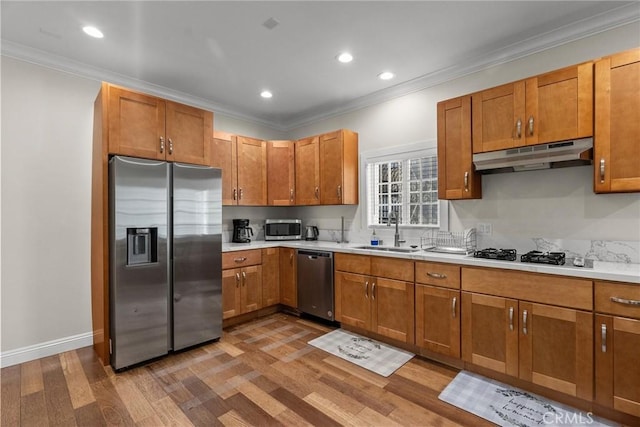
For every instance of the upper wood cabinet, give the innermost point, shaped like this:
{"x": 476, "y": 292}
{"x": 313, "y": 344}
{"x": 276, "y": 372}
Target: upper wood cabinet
{"x": 243, "y": 161}
{"x": 617, "y": 115}
{"x": 339, "y": 168}
{"x": 307, "y": 165}
{"x": 555, "y": 106}
{"x": 281, "y": 178}
{"x": 457, "y": 178}
{"x": 145, "y": 126}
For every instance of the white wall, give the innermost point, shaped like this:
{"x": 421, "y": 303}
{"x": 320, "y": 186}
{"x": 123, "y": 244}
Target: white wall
{"x": 46, "y": 169}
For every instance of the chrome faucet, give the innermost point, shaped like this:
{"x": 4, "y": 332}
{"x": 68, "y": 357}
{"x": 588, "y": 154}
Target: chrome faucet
{"x": 396, "y": 236}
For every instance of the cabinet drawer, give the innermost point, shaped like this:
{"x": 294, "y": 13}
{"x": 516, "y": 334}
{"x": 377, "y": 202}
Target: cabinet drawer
{"x": 352, "y": 263}
{"x": 432, "y": 273}
{"x": 241, "y": 258}
{"x": 618, "y": 298}
{"x": 392, "y": 268}
{"x": 534, "y": 287}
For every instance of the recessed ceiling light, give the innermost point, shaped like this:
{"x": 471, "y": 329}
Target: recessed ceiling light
{"x": 93, "y": 32}
{"x": 386, "y": 75}
{"x": 266, "y": 94}
{"x": 345, "y": 57}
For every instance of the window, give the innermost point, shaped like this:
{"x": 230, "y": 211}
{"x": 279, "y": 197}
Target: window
{"x": 403, "y": 183}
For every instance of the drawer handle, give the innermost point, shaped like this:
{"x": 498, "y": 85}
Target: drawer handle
{"x": 524, "y": 322}
{"x": 437, "y": 275}
{"x": 604, "y": 338}
{"x": 453, "y": 307}
{"x": 626, "y": 301}
{"x": 241, "y": 259}
{"x": 511, "y": 318}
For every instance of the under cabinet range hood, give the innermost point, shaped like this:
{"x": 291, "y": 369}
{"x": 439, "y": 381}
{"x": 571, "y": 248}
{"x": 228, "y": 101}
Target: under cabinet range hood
{"x": 544, "y": 156}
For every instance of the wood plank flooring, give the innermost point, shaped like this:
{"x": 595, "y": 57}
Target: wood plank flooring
{"x": 261, "y": 373}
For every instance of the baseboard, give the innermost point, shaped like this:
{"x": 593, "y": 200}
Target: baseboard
{"x": 37, "y": 351}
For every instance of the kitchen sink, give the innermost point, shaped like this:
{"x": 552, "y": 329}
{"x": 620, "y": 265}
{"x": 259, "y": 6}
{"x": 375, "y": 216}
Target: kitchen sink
{"x": 388, "y": 249}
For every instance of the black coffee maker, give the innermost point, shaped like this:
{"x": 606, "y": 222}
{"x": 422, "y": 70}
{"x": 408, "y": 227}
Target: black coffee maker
{"x": 242, "y": 233}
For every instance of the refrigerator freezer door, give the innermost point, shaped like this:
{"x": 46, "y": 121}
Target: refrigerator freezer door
{"x": 139, "y": 267}
{"x": 197, "y": 255}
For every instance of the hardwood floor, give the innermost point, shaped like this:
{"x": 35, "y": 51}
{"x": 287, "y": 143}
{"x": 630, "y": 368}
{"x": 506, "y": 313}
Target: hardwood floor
{"x": 260, "y": 373}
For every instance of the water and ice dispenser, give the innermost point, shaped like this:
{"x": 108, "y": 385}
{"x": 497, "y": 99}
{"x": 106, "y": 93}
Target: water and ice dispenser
{"x": 142, "y": 245}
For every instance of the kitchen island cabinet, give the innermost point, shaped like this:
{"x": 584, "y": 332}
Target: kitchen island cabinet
{"x": 438, "y": 308}
{"x": 550, "y": 107}
{"x": 512, "y": 324}
{"x": 617, "y": 347}
{"x": 376, "y": 294}
{"x": 457, "y": 177}
{"x": 617, "y": 115}
{"x": 141, "y": 125}
{"x": 241, "y": 282}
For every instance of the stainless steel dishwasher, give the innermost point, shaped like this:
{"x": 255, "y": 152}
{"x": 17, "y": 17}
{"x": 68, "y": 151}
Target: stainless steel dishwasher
{"x": 315, "y": 283}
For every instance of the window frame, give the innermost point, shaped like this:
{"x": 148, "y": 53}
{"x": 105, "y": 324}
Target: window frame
{"x": 400, "y": 152}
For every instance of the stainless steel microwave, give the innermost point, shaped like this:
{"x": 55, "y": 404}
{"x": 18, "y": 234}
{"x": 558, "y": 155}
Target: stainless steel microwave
{"x": 283, "y": 229}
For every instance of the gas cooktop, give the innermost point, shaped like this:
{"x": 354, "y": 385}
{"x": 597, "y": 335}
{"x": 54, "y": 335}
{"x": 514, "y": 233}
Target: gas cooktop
{"x": 534, "y": 257}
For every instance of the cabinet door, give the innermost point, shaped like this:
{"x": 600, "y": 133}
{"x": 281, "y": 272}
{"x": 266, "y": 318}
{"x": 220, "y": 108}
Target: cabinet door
{"x": 231, "y": 281}
{"x": 438, "y": 320}
{"x": 617, "y": 367}
{"x": 288, "y": 277}
{"x": 392, "y": 309}
{"x": 270, "y": 276}
{"x": 559, "y": 105}
{"x": 498, "y": 117}
{"x": 224, "y": 156}
{"x": 252, "y": 171}
{"x": 331, "y": 161}
{"x": 490, "y": 332}
{"x": 188, "y": 134}
{"x": 136, "y": 124}
{"x": 616, "y": 143}
{"x": 308, "y": 171}
{"x": 353, "y": 296}
{"x": 457, "y": 178}
{"x": 556, "y": 348}
{"x": 281, "y": 178}
{"x": 251, "y": 294}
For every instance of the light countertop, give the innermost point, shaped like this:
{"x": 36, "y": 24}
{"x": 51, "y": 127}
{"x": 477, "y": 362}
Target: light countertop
{"x": 618, "y": 272}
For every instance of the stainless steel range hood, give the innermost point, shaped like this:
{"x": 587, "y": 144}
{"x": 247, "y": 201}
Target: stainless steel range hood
{"x": 544, "y": 156}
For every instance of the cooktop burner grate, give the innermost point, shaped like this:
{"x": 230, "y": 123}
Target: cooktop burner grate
{"x": 499, "y": 254}
{"x": 537, "y": 257}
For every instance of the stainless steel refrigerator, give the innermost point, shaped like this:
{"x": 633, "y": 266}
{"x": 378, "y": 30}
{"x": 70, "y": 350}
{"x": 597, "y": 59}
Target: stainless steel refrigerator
{"x": 165, "y": 257}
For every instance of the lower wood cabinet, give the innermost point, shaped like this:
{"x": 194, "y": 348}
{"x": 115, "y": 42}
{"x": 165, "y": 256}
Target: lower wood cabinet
{"x": 438, "y": 308}
{"x": 617, "y": 346}
{"x": 540, "y": 343}
{"x": 379, "y": 304}
{"x": 241, "y": 282}
{"x": 270, "y": 276}
{"x": 288, "y": 277}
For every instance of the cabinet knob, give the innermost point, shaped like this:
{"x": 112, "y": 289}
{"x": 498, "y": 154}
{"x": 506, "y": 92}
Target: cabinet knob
{"x": 317, "y": 193}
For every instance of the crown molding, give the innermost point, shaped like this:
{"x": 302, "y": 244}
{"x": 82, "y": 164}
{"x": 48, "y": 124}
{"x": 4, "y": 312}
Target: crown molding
{"x": 609, "y": 20}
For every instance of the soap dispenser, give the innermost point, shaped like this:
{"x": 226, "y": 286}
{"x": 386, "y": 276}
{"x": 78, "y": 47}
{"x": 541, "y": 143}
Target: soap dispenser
{"x": 374, "y": 238}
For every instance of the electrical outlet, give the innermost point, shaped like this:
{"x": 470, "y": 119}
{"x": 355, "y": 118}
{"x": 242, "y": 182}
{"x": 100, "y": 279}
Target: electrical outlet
{"x": 484, "y": 228}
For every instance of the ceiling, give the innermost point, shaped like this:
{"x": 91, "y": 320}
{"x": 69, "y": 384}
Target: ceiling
{"x": 219, "y": 55}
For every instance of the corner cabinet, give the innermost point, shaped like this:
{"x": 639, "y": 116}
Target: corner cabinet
{"x": 145, "y": 126}
{"x": 457, "y": 178}
{"x": 281, "y": 178}
{"x": 243, "y": 161}
{"x": 511, "y": 324}
{"x": 617, "y": 115}
{"x": 375, "y": 294}
{"x": 617, "y": 332}
{"x": 554, "y": 106}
